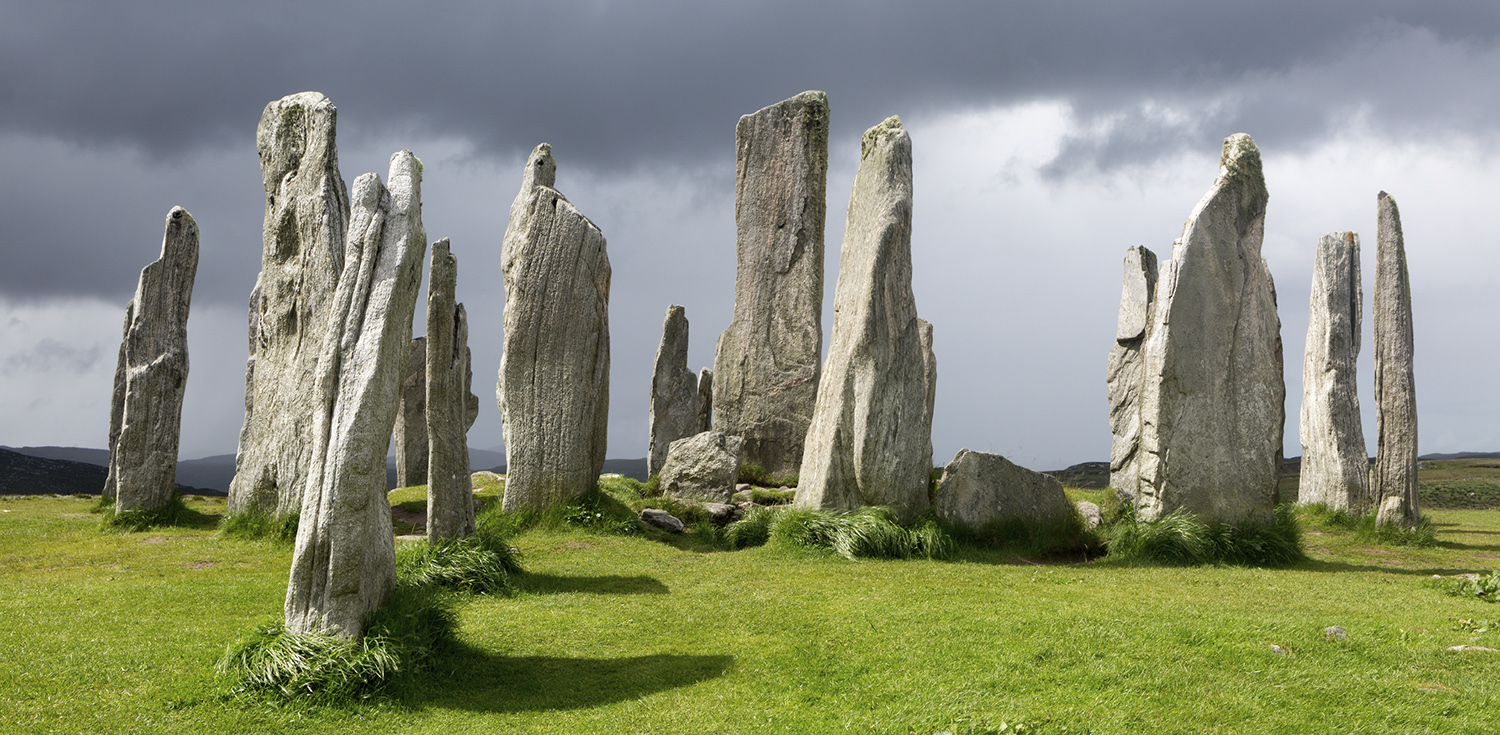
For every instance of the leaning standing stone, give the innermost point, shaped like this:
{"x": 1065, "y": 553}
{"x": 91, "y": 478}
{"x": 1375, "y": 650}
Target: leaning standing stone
{"x": 410, "y": 438}
{"x": 1213, "y": 403}
{"x": 344, "y": 563}
{"x": 1395, "y": 387}
{"x": 1123, "y": 376}
{"x": 154, "y": 365}
{"x": 674, "y": 390}
{"x": 870, "y": 440}
{"x": 705, "y": 403}
{"x": 767, "y": 362}
{"x": 450, "y": 494}
{"x": 302, "y": 236}
{"x": 553, "y": 390}
{"x": 1335, "y": 469}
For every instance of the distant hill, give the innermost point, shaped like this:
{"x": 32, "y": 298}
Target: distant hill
{"x": 1463, "y": 455}
{"x": 25, "y": 474}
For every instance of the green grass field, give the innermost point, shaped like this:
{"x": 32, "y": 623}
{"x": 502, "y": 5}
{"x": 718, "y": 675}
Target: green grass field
{"x": 119, "y": 633}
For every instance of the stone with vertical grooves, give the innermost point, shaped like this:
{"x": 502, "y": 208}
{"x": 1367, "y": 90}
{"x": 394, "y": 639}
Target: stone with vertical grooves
{"x": 929, "y": 378}
{"x": 410, "y": 437}
{"x": 870, "y": 440}
{"x": 1335, "y": 467}
{"x": 705, "y": 402}
{"x": 1395, "y": 475}
{"x": 1124, "y": 371}
{"x": 674, "y": 390}
{"x": 450, "y": 495}
{"x": 302, "y": 236}
{"x": 344, "y": 563}
{"x": 766, "y": 364}
{"x": 1213, "y": 404}
{"x": 153, "y": 370}
{"x": 553, "y": 389}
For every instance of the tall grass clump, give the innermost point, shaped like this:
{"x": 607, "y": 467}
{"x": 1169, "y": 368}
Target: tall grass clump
{"x": 1062, "y": 535}
{"x": 1179, "y": 538}
{"x": 867, "y": 533}
{"x": 754, "y": 474}
{"x": 256, "y": 524}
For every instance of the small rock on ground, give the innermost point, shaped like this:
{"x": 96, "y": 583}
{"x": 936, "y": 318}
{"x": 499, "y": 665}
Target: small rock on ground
{"x": 661, "y": 519}
{"x": 1336, "y": 633}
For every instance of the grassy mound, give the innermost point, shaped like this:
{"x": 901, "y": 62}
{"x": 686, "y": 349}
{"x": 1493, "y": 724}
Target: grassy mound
{"x": 174, "y": 513}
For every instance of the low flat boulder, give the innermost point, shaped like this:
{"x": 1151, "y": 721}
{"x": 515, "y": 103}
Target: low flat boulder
{"x": 704, "y": 467}
{"x": 978, "y": 488}
{"x": 661, "y": 519}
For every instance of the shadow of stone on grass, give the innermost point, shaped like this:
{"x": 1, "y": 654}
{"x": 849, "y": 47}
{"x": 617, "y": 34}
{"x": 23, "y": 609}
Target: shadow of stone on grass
{"x": 608, "y": 584}
{"x": 478, "y": 681}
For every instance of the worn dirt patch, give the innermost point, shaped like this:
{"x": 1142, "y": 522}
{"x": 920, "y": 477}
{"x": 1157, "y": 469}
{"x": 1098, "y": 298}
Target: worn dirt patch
{"x": 154, "y": 540}
{"x": 200, "y": 565}
{"x": 71, "y": 515}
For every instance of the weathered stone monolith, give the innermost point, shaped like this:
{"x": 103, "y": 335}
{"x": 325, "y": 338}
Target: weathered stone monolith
{"x": 1395, "y": 475}
{"x": 929, "y": 378}
{"x": 674, "y": 390}
{"x": 553, "y": 391}
{"x": 302, "y": 236}
{"x": 705, "y": 402}
{"x": 1213, "y": 404}
{"x": 870, "y": 440}
{"x": 450, "y": 494}
{"x": 767, "y": 362}
{"x": 345, "y": 559}
{"x": 146, "y": 416}
{"x": 1335, "y": 466}
{"x": 410, "y": 438}
{"x": 1124, "y": 372}
{"x": 978, "y": 488}
{"x": 703, "y": 467}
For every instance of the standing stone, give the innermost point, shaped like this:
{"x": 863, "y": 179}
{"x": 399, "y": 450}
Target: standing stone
{"x": 307, "y": 215}
{"x": 929, "y": 379}
{"x": 870, "y": 441}
{"x": 703, "y": 467}
{"x": 1335, "y": 469}
{"x": 1395, "y": 476}
{"x": 705, "y": 402}
{"x": 345, "y": 560}
{"x": 553, "y": 390}
{"x": 767, "y": 363}
{"x": 146, "y": 417}
{"x": 1213, "y": 405}
{"x": 410, "y": 437}
{"x": 450, "y": 495}
{"x": 674, "y": 390}
{"x": 117, "y": 402}
{"x": 978, "y": 489}
{"x": 1124, "y": 372}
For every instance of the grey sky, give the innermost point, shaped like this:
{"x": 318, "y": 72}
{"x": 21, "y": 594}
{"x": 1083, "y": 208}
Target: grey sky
{"x": 1047, "y": 139}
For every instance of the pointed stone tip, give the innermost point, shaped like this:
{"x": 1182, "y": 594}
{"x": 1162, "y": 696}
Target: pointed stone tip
{"x": 1240, "y": 154}
{"x": 886, "y": 127}
{"x": 540, "y": 169}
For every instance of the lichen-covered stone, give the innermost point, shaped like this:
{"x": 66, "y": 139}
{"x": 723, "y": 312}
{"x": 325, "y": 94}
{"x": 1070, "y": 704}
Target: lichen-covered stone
{"x": 450, "y": 494}
{"x": 1335, "y": 467}
{"x": 410, "y": 438}
{"x": 674, "y": 390}
{"x": 705, "y": 403}
{"x": 767, "y": 362}
{"x": 1124, "y": 372}
{"x": 1213, "y": 403}
{"x": 980, "y": 488}
{"x": 307, "y": 215}
{"x": 553, "y": 391}
{"x": 152, "y": 374}
{"x": 1395, "y": 475}
{"x": 703, "y": 467}
{"x": 929, "y": 379}
{"x": 870, "y": 441}
{"x": 344, "y": 563}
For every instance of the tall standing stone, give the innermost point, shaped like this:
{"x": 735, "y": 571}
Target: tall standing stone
{"x": 767, "y": 362}
{"x": 1124, "y": 372}
{"x": 870, "y": 441}
{"x": 152, "y": 374}
{"x": 553, "y": 391}
{"x": 705, "y": 402}
{"x": 674, "y": 390}
{"x": 450, "y": 495}
{"x": 410, "y": 438}
{"x": 1395, "y": 386}
{"x": 345, "y": 560}
{"x": 307, "y": 215}
{"x": 929, "y": 378}
{"x": 1213, "y": 405}
{"x": 1335, "y": 469}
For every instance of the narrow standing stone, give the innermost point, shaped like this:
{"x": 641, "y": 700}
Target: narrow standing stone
{"x": 450, "y": 494}
{"x": 1335, "y": 467}
{"x": 870, "y": 441}
{"x": 345, "y": 560}
{"x": 767, "y": 362}
{"x": 929, "y": 380}
{"x": 154, "y": 367}
{"x": 705, "y": 403}
{"x": 410, "y": 438}
{"x": 674, "y": 390}
{"x": 553, "y": 391}
{"x": 1213, "y": 405}
{"x": 1395, "y": 386}
{"x": 1124, "y": 372}
{"x": 307, "y": 215}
